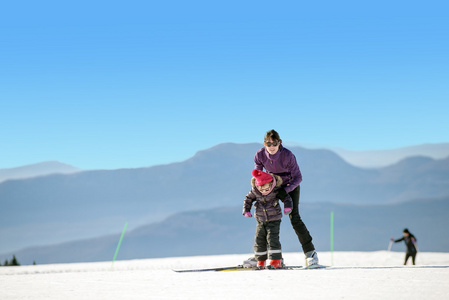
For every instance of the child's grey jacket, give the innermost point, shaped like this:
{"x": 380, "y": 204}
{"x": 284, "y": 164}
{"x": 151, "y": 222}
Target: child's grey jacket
{"x": 267, "y": 207}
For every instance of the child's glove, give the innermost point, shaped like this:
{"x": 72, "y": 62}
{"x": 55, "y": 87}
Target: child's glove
{"x": 287, "y": 211}
{"x": 248, "y": 214}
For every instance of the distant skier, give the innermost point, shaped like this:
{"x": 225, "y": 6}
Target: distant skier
{"x": 276, "y": 159}
{"x": 410, "y": 242}
{"x": 268, "y": 214}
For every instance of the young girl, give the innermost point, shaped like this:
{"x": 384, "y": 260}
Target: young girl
{"x": 268, "y": 215}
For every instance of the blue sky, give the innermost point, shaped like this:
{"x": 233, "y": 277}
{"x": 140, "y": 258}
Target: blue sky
{"x": 117, "y": 84}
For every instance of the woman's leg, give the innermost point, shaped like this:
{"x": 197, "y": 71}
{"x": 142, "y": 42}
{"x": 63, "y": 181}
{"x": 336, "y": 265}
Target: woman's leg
{"x": 298, "y": 225}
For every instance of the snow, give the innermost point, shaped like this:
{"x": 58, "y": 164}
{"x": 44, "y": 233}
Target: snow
{"x": 354, "y": 275}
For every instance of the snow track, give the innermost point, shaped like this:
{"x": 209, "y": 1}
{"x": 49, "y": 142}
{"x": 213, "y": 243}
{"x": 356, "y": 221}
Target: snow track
{"x": 355, "y": 275}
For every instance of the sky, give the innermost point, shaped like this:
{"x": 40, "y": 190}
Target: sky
{"x": 127, "y": 84}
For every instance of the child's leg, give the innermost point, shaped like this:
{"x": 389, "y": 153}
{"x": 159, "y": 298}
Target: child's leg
{"x": 260, "y": 242}
{"x": 274, "y": 245}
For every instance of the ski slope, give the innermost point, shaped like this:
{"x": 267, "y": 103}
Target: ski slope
{"x": 354, "y": 275}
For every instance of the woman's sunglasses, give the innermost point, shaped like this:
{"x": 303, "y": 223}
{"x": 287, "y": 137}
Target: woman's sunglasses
{"x": 271, "y": 144}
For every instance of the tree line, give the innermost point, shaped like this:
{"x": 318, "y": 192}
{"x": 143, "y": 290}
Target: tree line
{"x": 12, "y": 262}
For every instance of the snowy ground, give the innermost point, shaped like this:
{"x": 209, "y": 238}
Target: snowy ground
{"x": 354, "y": 275}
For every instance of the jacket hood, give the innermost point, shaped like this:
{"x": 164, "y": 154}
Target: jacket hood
{"x": 276, "y": 177}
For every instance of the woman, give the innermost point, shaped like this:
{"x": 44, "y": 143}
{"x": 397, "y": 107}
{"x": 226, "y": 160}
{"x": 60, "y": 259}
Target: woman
{"x": 276, "y": 159}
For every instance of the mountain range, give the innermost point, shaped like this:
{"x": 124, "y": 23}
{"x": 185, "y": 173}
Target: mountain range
{"x": 384, "y": 158}
{"x": 35, "y": 170}
{"x": 226, "y": 231}
{"x": 61, "y": 208}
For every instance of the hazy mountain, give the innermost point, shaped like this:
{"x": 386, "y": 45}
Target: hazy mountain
{"x": 226, "y": 231}
{"x": 39, "y": 169}
{"x": 383, "y": 158}
{"x": 59, "y": 208}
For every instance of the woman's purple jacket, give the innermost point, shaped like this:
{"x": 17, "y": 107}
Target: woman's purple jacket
{"x": 283, "y": 164}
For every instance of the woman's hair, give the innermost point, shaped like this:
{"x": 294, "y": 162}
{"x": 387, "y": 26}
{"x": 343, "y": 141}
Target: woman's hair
{"x": 273, "y": 135}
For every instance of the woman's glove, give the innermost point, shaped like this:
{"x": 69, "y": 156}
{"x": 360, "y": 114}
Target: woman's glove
{"x": 287, "y": 211}
{"x": 248, "y": 214}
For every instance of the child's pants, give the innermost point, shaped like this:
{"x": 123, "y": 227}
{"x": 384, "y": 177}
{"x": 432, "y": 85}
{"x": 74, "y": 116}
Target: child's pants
{"x": 266, "y": 240}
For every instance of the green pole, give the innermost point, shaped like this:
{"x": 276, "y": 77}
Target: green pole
{"x": 332, "y": 238}
{"x": 119, "y": 243}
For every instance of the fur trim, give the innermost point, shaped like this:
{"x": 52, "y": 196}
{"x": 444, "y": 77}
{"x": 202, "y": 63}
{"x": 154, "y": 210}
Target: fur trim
{"x": 253, "y": 182}
{"x": 278, "y": 180}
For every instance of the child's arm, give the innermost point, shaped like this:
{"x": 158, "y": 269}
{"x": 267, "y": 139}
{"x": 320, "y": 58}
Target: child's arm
{"x": 248, "y": 203}
{"x": 288, "y": 204}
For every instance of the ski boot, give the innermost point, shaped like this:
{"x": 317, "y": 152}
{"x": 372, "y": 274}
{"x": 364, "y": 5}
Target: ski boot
{"x": 311, "y": 258}
{"x": 260, "y": 265}
{"x": 250, "y": 262}
{"x": 275, "y": 264}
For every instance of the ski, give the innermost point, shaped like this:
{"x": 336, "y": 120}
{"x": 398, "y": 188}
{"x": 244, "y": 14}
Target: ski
{"x": 315, "y": 266}
{"x": 211, "y": 269}
{"x": 235, "y": 268}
